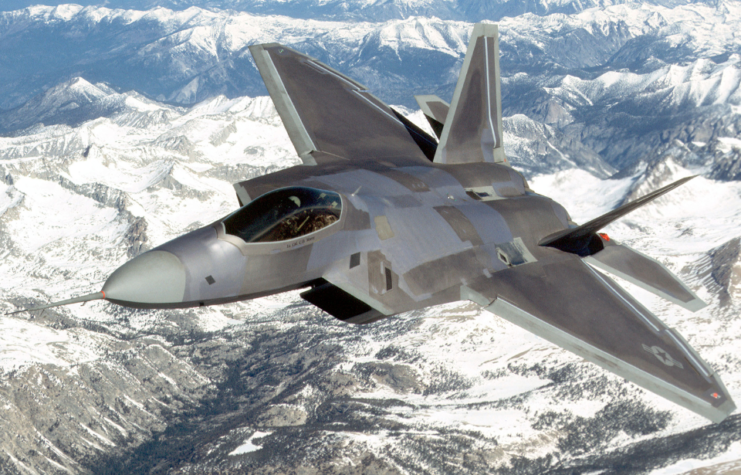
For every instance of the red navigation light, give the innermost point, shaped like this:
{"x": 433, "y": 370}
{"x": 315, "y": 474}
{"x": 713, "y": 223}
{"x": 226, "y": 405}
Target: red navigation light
{"x": 604, "y": 236}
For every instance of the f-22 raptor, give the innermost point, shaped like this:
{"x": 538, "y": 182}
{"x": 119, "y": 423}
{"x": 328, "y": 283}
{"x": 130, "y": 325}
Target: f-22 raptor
{"x": 383, "y": 218}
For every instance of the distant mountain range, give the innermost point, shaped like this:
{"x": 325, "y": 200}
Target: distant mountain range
{"x": 620, "y": 83}
{"x": 366, "y": 10}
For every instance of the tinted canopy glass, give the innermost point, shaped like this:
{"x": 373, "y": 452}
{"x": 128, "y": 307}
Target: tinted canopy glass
{"x": 284, "y": 214}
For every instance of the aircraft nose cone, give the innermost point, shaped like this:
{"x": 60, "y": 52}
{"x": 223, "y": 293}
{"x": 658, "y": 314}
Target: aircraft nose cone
{"x": 155, "y": 277}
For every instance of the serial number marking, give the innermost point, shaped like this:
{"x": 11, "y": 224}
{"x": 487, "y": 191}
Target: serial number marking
{"x": 301, "y": 242}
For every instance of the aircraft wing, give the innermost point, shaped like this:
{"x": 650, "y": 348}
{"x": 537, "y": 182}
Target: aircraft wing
{"x": 584, "y": 311}
{"x": 329, "y": 116}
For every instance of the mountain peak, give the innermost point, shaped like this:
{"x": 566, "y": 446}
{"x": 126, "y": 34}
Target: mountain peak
{"x": 72, "y": 102}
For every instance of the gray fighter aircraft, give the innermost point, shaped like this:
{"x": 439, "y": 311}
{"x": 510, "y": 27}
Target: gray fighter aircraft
{"x": 382, "y": 218}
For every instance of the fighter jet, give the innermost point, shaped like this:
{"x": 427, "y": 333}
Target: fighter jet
{"x": 382, "y": 218}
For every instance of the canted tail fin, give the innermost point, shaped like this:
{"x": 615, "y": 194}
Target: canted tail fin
{"x": 435, "y": 110}
{"x": 472, "y": 130}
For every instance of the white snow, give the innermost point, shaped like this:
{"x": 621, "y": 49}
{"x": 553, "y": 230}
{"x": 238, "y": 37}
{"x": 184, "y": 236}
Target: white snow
{"x": 698, "y": 84}
{"x": 248, "y": 445}
{"x": 728, "y": 462}
{"x": 104, "y": 439}
{"x": 584, "y": 195}
{"x": 728, "y": 144}
{"x": 24, "y": 343}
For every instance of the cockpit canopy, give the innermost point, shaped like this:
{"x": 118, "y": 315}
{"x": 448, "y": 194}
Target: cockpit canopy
{"x": 284, "y": 214}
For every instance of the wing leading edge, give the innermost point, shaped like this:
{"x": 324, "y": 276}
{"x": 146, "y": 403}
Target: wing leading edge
{"x": 582, "y": 310}
{"x": 327, "y": 114}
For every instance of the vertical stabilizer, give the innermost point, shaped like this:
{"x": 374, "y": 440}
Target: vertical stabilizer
{"x": 473, "y": 127}
{"x": 435, "y": 110}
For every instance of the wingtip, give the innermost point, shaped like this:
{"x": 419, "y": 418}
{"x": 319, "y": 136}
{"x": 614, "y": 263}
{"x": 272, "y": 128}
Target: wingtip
{"x": 695, "y": 305}
{"x": 721, "y": 413}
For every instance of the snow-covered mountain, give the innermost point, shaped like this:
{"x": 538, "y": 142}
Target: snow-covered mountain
{"x": 628, "y": 117}
{"x": 187, "y": 56}
{"x": 127, "y": 128}
{"x": 619, "y": 83}
{"x": 75, "y": 101}
{"x": 363, "y": 10}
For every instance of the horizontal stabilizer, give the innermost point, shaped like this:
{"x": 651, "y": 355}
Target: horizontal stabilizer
{"x": 435, "y": 111}
{"x": 645, "y": 272}
{"x": 84, "y": 298}
{"x": 472, "y": 130}
{"x": 583, "y": 240}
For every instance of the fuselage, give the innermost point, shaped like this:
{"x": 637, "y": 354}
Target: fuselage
{"x": 407, "y": 236}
